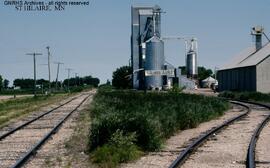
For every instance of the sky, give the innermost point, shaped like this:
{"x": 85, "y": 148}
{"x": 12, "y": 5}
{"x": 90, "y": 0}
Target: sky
{"x": 95, "y": 39}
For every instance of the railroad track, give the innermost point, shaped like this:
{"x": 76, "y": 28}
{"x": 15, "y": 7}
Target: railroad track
{"x": 250, "y": 157}
{"x": 250, "y": 163}
{"x": 20, "y": 143}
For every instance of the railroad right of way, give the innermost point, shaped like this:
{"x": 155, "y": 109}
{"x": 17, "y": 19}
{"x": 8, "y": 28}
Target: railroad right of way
{"x": 181, "y": 140}
{"x": 234, "y": 146}
{"x": 20, "y": 143}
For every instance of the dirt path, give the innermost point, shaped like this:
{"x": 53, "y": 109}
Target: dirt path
{"x": 12, "y": 97}
{"x": 202, "y": 91}
{"x": 178, "y": 142}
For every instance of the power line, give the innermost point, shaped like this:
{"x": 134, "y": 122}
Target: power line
{"x": 34, "y": 59}
{"x": 77, "y": 79}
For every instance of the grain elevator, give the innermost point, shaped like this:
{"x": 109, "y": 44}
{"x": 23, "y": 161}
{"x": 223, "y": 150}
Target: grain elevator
{"x": 147, "y": 48}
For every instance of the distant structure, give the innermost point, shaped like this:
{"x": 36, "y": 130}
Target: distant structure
{"x": 191, "y": 58}
{"x": 250, "y": 70}
{"x": 150, "y": 70}
{"x": 145, "y": 40}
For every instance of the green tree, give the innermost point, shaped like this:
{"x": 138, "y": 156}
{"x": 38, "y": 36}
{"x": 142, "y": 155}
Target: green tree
{"x": 1, "y": 82}
{"x": 24, "y": 83}
{"x": 183, "y": 70}
{"x": 202, "y": 72}
{"x": 43, "y": 82}
{"x": 108, "y": 82}
{"x": 121, "y": 78}
{"x": 87, "y": 80}
{"x": 6, "y": 82}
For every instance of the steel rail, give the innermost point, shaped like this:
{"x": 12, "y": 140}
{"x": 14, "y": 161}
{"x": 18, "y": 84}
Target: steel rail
{"x": 33, "y": 150}
{"x": 183, "y": 155}
{"x": 29, "y": 122}
{"x": 250, "y": 161}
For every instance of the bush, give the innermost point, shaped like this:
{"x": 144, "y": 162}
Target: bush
{"x": 176, "y": 89}
{"x": 253, "y": 96}
{"x": 148, "y": 131}
{"x": 153, "y": 116}
{"x": 76, "y": 89}
{"x": 105, "y": 87}
{"x": 120, "y": 148}
{"x": 121, "y": 78}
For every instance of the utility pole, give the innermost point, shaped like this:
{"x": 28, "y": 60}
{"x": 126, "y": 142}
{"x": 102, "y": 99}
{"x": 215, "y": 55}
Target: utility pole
{"x": 76, "y": 78}
{"x": 35, "y": 80}
{"x": 58, "y": 65}
{"x": 215, "y": 85}
{"x": 49, "y": 68}
{"x": 68, "y": 69}
{"x": 215, "y": 71}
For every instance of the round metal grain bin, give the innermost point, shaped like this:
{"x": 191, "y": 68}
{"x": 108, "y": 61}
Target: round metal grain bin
{"x": 192, "y": 69}
{"x": 154, "y": 61}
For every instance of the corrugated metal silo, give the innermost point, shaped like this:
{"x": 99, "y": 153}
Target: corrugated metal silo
{"x": 154, "y": 61}
{"x": 192, "y": 64}
{"x": 191, "y": 60}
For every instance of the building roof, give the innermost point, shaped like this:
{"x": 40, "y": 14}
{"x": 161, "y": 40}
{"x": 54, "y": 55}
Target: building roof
{"x": 209, "y": 79}
{"x": 248, "y": 57}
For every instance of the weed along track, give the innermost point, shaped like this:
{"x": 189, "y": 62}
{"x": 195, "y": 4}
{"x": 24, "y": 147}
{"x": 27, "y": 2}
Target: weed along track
{"x": 20, "y": 143}
{"x": 233, "y": 146}
{"x": 181, "y": 140}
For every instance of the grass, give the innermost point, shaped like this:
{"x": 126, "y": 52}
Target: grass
{"x": 252, "y": 96}
{"x": 78, "y": 141}
{"x": 77, "y": 144}
{"x": 121, "y": 148}
{"x": 73, "y": 89}
{"x": 18, "y": 92}
{"x": 143, "y": 121}
{"x": 13, "y": 108}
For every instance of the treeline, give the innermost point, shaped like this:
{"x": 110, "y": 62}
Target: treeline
{"x": 78, "y": 81}
{"x": 122, "y": 76}
{"x": 3, "y": 83}
{"x": 28, "y": 84}
{"x": 202, "y": 72}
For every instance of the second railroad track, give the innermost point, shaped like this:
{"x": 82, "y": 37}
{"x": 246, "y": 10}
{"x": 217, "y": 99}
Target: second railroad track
{"x": 20, "y": 143}
{"x": 236, "y": 145}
